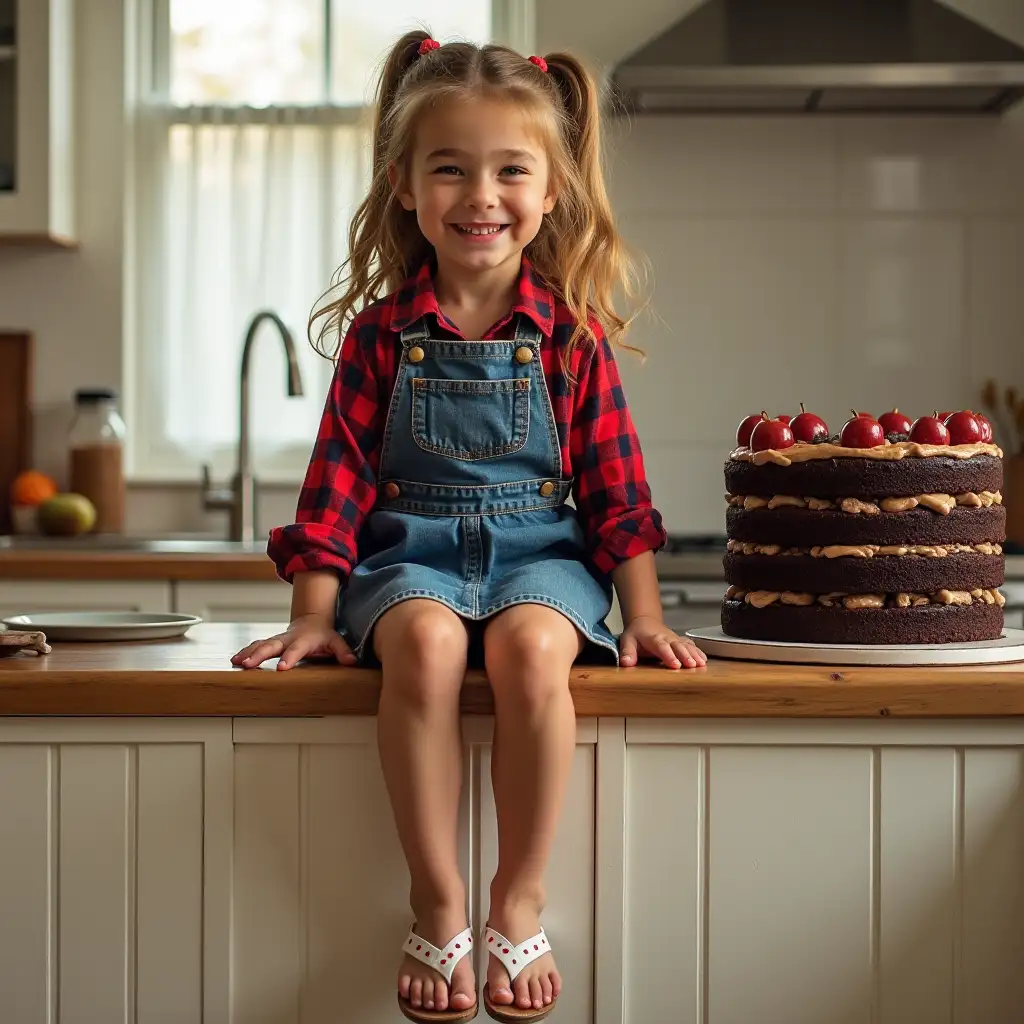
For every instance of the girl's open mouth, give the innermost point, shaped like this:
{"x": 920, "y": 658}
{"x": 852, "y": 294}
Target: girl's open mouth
{"x": 479, "y": 233}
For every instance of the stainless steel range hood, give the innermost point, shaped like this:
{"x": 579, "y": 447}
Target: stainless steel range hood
{"x": 823, "y": 56}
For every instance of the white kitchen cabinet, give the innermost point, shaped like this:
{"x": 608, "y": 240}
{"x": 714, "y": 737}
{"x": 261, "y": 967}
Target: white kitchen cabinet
{"x": 235, "y": 602}
{"x": 18, "y": 597}
{"x": 810, "y": 871}
{"x": 37, "y": 123}
{"x": 321, "y": 892}
{"x": 115, "y": 870}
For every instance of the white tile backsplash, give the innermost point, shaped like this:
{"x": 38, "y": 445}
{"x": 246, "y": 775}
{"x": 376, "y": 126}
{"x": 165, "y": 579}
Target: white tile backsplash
{"x": 837, "y": 262}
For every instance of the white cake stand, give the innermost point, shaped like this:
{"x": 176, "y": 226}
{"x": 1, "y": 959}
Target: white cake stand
{"x": 1008, "y": 648}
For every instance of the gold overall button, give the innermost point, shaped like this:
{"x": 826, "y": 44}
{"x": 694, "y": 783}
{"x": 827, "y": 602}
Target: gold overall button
{"x": 547, "y": 489}
{"x": 392, "y": 490}
{"x": 416, "y": 354}
{"x": 524, "y": 354}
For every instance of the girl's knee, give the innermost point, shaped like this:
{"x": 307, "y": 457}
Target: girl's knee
{"x": 528, "y": 656}
{"x": 423, "y": 649}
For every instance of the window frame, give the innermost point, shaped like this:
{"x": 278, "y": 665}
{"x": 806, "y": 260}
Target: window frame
{"x": 150, "y": 458}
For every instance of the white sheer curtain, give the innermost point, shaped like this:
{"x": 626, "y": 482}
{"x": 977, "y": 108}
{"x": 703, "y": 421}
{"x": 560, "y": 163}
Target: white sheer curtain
{"x": 252, "y": 215}
{"x": 238, "y": 208}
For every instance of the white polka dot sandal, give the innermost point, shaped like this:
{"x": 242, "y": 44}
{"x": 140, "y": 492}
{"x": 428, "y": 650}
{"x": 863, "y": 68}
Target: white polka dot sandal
{"x": 514, "y": 958}
{"x": 443, "y": 961}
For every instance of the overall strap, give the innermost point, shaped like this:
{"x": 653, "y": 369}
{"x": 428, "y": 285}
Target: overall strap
{"x": 527, "y": 331}
{"x": 416, "y": 332}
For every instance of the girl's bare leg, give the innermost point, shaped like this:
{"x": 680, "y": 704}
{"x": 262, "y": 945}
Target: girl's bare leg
{"x": 529, "y": 650}
{"x": 422, "y": 646}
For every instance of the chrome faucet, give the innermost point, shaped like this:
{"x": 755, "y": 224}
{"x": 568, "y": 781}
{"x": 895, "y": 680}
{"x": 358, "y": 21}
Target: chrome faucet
{"x": 240, "y": 498}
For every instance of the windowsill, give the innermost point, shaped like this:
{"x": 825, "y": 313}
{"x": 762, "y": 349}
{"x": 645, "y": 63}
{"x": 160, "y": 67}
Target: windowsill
{"x": 180, "y": 483}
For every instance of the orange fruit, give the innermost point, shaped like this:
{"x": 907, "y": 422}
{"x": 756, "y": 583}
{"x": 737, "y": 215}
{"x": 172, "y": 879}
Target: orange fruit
{"x": 32, "y": 488}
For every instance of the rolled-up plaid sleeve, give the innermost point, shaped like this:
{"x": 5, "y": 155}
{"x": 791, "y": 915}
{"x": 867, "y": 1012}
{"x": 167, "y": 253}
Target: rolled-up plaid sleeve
{"x": 340, "y": 486}
{"x": 610, "y": 488}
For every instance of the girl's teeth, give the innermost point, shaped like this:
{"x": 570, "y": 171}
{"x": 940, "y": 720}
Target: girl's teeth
{"x": 479, "y": 231}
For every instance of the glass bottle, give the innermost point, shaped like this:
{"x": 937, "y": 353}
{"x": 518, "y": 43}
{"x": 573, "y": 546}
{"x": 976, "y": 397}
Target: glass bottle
{"x": 96, "y": 456}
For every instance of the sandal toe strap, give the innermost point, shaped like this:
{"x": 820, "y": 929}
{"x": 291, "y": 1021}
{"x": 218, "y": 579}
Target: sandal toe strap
{"x": 441, "y": 960}
{"x": 514, "y": 957}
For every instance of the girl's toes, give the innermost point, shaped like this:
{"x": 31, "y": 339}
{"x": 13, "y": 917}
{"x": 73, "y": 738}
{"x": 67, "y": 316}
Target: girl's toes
{"x": 522, "y": 987}
{"x": 440, "y": 995}
{"x": 461, "y": 1000}
{"x": 545, "y": 990}
{"x": 404, "y": 982}
{"x": 535, "y": 993}
{"x": 428, "y": 994}
{"x": 416, "y": 992}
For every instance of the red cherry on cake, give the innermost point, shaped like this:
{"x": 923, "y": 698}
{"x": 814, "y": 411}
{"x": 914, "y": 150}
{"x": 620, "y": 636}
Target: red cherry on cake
{"x": 944, "y": 415}
{"x": 987, "y": 435}
{"x": 745, "y": 429}
{"x": 929, "y": 430}
{"x": 861, "y": 432}
{"x": 808, "y": 427}
{"x": 895, "y": 422}
{"x": 770, "y": 433}
{"x": 963, "y": 428}
{"x": 784, "y": 418}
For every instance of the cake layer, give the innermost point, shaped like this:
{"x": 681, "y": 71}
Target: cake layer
{"x": 804, "y": 527}
{"x": 883, "y": 574}
{"x": 866, "y": 478}
{"x": 933, "y": 624}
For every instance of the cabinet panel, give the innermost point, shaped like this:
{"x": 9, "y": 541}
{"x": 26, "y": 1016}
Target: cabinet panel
{"x": 19, "y": 597}
{"x": 320, "y": 899}
{"x": 235, "y": 602}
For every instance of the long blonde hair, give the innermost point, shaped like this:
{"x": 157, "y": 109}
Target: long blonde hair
{"x": 577, "y": 251}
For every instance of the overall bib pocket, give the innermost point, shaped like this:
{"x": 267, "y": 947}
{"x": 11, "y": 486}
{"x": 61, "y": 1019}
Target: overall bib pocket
{"x": 470, "y": 419}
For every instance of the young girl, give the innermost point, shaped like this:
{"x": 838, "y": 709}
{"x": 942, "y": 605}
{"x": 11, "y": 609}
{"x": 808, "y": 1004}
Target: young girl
{"x": 433, "y": 524}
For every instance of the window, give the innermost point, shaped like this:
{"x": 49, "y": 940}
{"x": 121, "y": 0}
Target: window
{"x": 250, "y": 153}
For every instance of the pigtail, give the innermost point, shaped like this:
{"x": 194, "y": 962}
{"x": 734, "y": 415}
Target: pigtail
{"x": 380, "y": 252}
{"x": 594, "y": 262}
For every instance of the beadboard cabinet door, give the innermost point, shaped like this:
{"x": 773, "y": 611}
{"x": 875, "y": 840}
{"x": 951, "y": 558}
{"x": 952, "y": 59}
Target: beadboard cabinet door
{"x": 19, "y": 597}
{"x": 848, "y": 872}
{"x": 321, "y": 892}
{"x": 235, "y": 602}
{"x": 115, "y": 871}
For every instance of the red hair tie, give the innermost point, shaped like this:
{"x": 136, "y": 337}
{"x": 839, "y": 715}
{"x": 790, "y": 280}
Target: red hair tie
{"x": 540, "y": 62}
{"x": 427, "y": 45}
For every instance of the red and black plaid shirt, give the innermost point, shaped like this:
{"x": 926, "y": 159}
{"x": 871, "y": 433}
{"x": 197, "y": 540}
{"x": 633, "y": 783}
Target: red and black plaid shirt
{"x": 599, "y": 446}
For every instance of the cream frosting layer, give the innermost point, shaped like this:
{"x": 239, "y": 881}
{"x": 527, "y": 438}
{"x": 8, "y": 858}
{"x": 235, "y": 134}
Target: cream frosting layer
{"x": 888, "y": 452}
{"x": 943, "y": 504}
{"x": 766, "y": 598}
{"x": 744, "y": 547}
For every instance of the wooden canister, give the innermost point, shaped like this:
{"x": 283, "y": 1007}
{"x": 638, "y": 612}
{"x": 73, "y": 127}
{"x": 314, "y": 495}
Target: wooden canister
{"x": 1013, "y": 497}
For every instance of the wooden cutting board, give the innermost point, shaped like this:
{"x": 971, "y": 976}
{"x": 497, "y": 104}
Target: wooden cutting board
{"x": 15, "y": 415}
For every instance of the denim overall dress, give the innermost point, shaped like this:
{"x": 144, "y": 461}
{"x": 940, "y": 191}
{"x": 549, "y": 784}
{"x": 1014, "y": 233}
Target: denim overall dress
{"x": 471, "y": 505}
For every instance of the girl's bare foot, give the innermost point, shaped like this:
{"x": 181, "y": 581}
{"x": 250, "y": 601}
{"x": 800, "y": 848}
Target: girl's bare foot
{"x": 539, "y": 983}
{"x": 425, "y": 988}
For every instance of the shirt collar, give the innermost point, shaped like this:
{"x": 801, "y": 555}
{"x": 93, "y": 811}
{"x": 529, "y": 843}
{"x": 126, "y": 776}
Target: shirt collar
{"x": 416, "y": 298}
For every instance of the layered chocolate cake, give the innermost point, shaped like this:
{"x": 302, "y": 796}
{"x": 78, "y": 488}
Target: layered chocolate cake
{"x": 892, "y": 541}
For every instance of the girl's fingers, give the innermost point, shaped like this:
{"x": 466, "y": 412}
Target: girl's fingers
{"x": 627, "y": 650}
{"x": 661, "y": 647}
{"x": 293, "y": 654}
{"x": 261, "y": 650}
{"x": 342, "y": 651}
{"x": 690, "y": 656}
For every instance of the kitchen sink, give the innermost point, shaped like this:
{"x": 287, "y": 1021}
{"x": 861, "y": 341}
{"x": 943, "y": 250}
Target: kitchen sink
{"x": 184, "y": 544}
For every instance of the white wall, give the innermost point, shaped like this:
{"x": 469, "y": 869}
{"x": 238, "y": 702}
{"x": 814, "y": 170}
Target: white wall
{"x": 830, "y": 262}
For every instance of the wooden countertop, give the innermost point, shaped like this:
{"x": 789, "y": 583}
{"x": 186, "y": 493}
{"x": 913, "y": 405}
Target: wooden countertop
{"x": 97, "y": 564}
{"x": 193, "y": 676}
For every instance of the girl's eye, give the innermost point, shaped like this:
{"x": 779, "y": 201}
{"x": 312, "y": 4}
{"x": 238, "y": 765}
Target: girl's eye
{"x": 514, "y": 171}
{"x": 447, "y": 169}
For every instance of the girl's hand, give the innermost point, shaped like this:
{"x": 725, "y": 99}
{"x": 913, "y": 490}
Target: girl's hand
{"x": 648, "y": 635}
{"x": 309, "y": 636}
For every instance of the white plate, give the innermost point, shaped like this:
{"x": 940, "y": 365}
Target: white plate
{"x": 1010, "y": 647}
{"x": 105, "y": 626}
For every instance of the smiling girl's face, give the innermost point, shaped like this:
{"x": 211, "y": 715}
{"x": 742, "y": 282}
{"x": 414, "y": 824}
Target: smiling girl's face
{"x": 478, "y": 179}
